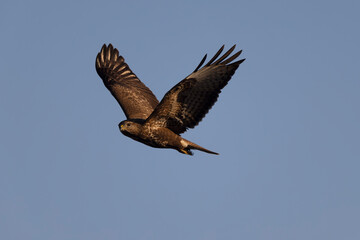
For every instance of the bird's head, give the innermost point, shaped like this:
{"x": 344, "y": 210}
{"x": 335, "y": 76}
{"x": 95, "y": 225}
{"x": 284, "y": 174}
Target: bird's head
{"x": 129, "y": 128}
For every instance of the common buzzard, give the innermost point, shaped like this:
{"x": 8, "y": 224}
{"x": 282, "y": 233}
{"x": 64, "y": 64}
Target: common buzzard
{"x": 184, "y": 106}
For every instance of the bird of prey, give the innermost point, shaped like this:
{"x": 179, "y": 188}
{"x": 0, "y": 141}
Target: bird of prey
{"x": 157, "y": 124}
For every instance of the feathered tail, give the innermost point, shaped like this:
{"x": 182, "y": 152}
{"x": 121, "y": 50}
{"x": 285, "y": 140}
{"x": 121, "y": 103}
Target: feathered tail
{"x": 191, "y": 145}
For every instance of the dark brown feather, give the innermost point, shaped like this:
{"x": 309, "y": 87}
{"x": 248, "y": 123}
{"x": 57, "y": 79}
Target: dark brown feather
{"x": 186, "y": 104}
{"x": 136, "y": 100}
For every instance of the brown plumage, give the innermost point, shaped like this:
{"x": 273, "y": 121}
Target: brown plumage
{"x": 136, "y": 100}
{"x": 184, "y": 106}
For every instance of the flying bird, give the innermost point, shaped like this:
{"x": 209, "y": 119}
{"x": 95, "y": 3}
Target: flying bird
{"x": 157, "y": 124}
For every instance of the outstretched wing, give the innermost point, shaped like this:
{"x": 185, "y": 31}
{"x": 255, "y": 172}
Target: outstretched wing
{"x": 136, "y": 100}
{"x": 186, "y": 104}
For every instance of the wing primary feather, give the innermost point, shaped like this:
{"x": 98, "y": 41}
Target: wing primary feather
{"x": 115, "y": 55}
{"x": 120, "y": 68}
{"x": 232, "y": 58}
{"x": 102, "y": 60}
{"x": 215, "y": 56}
{"x": 98, "y": 60}
{"x": 201, "y": 63}
{"x": 108, "y": 53}
{"x": 225, "y": 55}
{"x": 238, "y": 62}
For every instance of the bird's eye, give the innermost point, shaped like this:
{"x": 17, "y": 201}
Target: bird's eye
{"x": 128, "y": 124}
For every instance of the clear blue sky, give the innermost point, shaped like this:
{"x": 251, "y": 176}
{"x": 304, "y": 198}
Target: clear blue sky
{"x": 286, "y": 127}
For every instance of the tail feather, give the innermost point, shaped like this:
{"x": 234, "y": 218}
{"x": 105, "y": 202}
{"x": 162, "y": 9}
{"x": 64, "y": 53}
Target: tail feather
{"x": 192, "y": 145}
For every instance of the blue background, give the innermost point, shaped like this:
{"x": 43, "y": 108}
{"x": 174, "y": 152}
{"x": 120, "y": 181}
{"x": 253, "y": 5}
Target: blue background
{"x": 286, "y": 126}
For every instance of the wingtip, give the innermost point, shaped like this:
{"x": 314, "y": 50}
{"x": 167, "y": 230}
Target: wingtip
{"x": 103, "y": 48}
{"x": 232, "y": 48}
{"x": 201, "y": 63}
{"x": 222, "y": 48}
{"x": 107, "y": 47}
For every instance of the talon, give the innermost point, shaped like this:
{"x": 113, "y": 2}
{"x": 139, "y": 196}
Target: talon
{"x": 184, "y": 151}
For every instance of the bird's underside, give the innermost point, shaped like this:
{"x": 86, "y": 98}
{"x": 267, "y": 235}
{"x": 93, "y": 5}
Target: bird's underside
{"x": 184, "y": 106}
